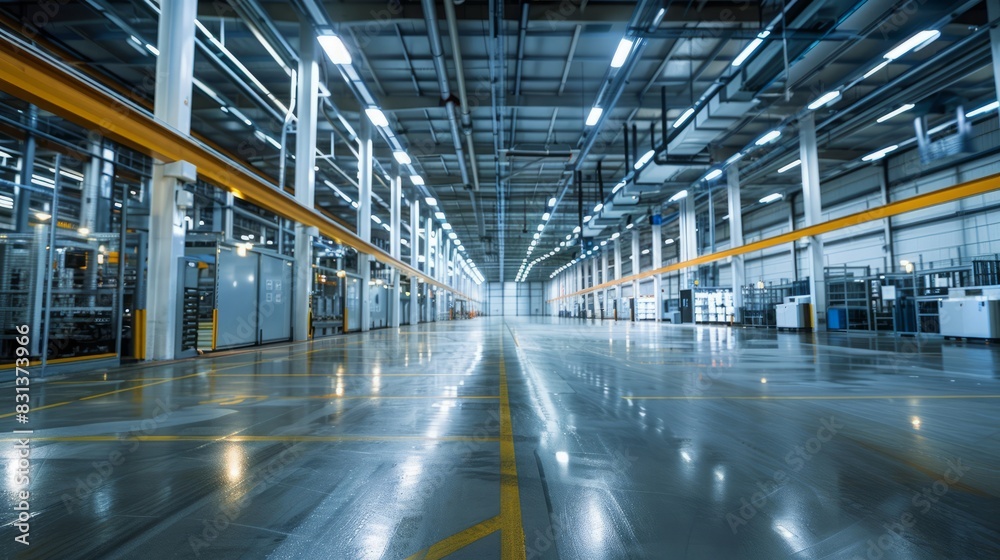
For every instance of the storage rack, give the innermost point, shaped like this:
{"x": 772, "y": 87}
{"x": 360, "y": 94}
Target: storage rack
{"x": 645, "y": 308}
{"x": 759, "y": 300}
{"x": 713, "y": 305}
{"x": 849, "y": 298}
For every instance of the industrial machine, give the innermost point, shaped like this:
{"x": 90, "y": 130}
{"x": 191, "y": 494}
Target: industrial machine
{"x": 970, "y": 318}
{"x": 795, "y": 313}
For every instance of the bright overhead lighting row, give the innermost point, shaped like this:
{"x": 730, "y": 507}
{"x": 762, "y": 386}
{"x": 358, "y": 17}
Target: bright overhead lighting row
{"x": 892, "y": 114}
{"x": 875, "y": 156}
{"x": 790, "y": 166}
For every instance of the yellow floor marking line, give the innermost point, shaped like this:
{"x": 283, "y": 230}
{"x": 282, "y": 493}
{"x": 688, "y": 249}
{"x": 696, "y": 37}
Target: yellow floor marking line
{"x": 512, "y": 528}
{"x": 398, "y": 397}
{"x": 252, "y": 439}
{"x": 235, "y": 399}
{"x": 456, "y": 542}
{"x": 341, "y": 375}
{"x": 802, "y": 397}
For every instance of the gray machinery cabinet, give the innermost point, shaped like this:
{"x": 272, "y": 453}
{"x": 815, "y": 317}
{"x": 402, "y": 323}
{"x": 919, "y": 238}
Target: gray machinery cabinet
{"x": 970, "y": 318}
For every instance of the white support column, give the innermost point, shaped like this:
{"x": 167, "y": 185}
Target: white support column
{"x": 428, "y": 261}
{"x": 606, "y": 276}
{"x": 635, "y": 270}
{"x": 594, "y": 280}
{"x": 396, "y": 223}
{"x": 365, "y": 158}
{"x": 689, "y": 238}
{"x": 657, "y": 263}
{"x": 305, "y": 178}
{"x": 414, "y": 260}
{"x": 813, "y": 210}
{"x": 736, "y": 239}
{"x": 618, "y": 275}
{"x": 174, "y": 74}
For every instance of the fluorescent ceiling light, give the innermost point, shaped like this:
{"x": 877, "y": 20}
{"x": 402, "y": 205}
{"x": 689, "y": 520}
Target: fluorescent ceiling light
{"x": 586, "y": 219}
{"x": 541, "y": 227}
{"x": 439, "y": 215}
{"x": 402, "y": 157}
{"x": 713, "y": 174}
{"x": 668, "y": 241}
{"x": 684, "y": 116}
{"x": 594, "y": 116}
{"x": 603, "y": 243}
{"x": 631, "y": 225}
{"x": 461, "y": 248}
{"x": 431, "y": 201}
{"x": 790, "y": 166}
{"x": 575, "y": 230}
{"x": 334, "y": 49}
{"x": 152, "y": 49}
{"x": 376, "y": 219}
{"x": 825, "y": 99}
{"x": 769, "y": 137}
{"x": 915, "y": 43}
{"x": 879, "y": 154}
{"x": 618, "y": 187}
{"x": 875, "y": 70}
{"x": 679, "y": 196}
{"x": 446, "y": 226}
{"x": 552, "y": 201}
{"x": 599, "y": 207}
{"x": 985, "y": 108}
{"x": 386, "y": 227}
{"x": 645, "y": 252}
{"x": 743, "y": 56}
{"x": 644, "y": 159}
{"x": 899, "y": 111}
{"x": 376, "y": 116}
{"x": 771, "y": 198}
{"x": 621, "y": 53}
{"x": 452, "y": 235}
{"x": 354, "y": 204}
{"x": 734, "y": 158}
{"x": 616, "y": 235}
{"x": 417, "y": 180}
{"x": 546, "y": 216}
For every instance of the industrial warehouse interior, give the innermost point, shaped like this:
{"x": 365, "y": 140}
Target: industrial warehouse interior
{"x": 486, "y": 279}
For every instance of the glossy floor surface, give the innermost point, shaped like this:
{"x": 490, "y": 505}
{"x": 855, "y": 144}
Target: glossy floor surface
{"x": 520, "y": 438}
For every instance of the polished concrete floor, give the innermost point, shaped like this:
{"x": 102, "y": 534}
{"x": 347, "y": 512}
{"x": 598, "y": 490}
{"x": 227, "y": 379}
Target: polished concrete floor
{"x": 521, "y": 438}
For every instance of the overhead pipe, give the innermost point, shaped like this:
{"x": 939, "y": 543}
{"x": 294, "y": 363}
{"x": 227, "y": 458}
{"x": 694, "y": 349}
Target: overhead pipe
{"x": 434, "y": 37}
{"x": 456, "y": 51}
{"x": 628, "y": 154}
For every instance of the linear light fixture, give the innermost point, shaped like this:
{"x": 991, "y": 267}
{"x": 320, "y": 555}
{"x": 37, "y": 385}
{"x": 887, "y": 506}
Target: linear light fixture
{"x": 546, "y": 216}
{"x": 431, "y": 201}
{"x": 771, "y": 198}
{"x": 599, "y": 207}
{"x": 621, "y": 53}
{"x": 684, "y": 116}
{"x": 874, "y": 156}
{"x": 985, "y": 108}
{"x": 750, "y": 48}
{"x": 713, "y": 174}
{"x": 825, "y": 99}
{"x": 644, "y": 159}
{"x": 618, "y": 187}
{"x": 790, "y": 166}
{"x": 334, "y": 49}
{"x": 899, "y": 111}
{"x": 678, "y": 196}
{"x": 914, "y": 44}
{"x": 767, "y": 138}
{"x": 594, "y": 116}
{"x": 878, "y": 67}
{"x": 402, "y": 157}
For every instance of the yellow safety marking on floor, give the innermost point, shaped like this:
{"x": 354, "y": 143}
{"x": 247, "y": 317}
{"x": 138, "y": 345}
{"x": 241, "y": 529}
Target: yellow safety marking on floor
{"x": 458, "y": 541}
{"x": 235, "y": 399}
{"x": 136, "y": 388}
{"x": 251, "y": 439}
{"x": 802, "y": 397}
{"x": 342, "y": 375}
{"x": 512, "y": 528}
{"x": 92, "y": 381}
{"x": 395, "y": 397}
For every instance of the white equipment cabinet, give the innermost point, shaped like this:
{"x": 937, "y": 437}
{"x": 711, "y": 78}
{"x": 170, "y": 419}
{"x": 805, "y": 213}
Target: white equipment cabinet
{"x": 795, "y": 313}
{"x": 970, "y": 318}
